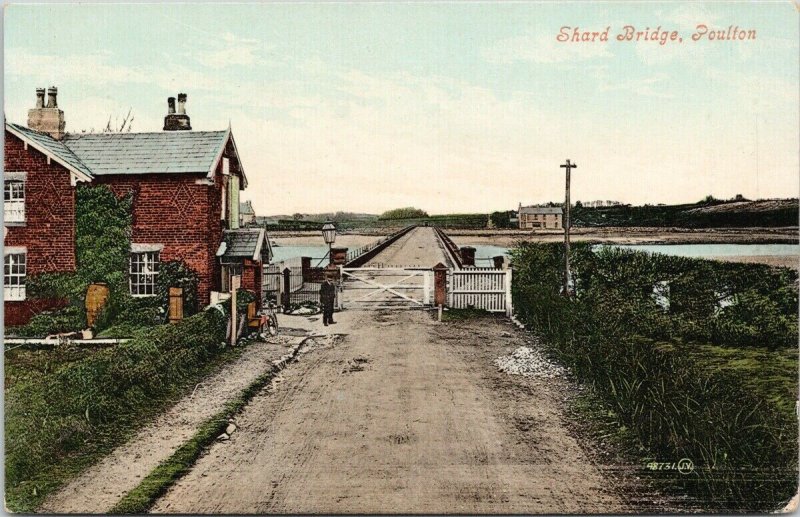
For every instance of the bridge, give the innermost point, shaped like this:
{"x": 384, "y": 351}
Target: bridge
{"x": 417, "y": 267}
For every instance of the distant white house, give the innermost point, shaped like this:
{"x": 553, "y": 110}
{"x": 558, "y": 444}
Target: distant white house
{"x": 545, "y": 217}
{"x": 246, "y": 213}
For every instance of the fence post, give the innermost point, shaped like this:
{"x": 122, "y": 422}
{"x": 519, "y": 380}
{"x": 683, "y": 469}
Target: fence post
{"x": 235, "y": 283}
{"x": 467, "y": 256}
{"x": 306, "y": 266}
{"x": 498, "y": 261}
{"x": 439, "y": 284}
{"x": 509, "y": 307}
{"x": 287, "y": 287}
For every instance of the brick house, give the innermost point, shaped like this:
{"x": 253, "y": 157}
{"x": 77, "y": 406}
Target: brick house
{"x": 545, "y": 217}
{"x": 185, "y": 186}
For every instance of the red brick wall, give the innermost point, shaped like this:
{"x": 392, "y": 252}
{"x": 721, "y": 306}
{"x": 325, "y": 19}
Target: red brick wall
{"x": 251, "y": 278}
{"x": 183, "y": 216}
{"x": 170, "y": 209}
{"x": 49, "y": 230}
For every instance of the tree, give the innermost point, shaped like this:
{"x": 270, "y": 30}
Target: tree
{"x": 124, "y": 127}
{"x": 501, "y": 219}
{"x": 404, "y": 213}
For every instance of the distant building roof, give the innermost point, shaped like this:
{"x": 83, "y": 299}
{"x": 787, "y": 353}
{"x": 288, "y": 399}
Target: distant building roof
{"x": 249, "y": 243}
{"x": 540, "y": 210}
{"x": 246, "y": 208}
{"x": 148, "y": 153}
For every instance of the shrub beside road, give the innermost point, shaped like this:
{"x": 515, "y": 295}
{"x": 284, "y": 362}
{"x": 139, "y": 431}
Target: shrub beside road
{"x": 710, "y": 377}
{"x": 58, "y": 423}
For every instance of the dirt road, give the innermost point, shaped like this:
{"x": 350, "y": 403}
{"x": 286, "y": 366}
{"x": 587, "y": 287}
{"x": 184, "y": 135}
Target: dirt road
{"x": 402, "y": 414}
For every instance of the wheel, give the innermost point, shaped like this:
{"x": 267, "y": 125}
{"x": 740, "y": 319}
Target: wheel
{"x": 272, "y": 325}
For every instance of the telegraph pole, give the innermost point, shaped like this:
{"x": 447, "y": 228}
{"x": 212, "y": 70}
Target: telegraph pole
{"x": 569, "y": 166}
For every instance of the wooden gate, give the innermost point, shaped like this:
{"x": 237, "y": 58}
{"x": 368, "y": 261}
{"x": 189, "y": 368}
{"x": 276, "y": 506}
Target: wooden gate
{"x": 386, "y": 288}
{"x": 480, "y": 288}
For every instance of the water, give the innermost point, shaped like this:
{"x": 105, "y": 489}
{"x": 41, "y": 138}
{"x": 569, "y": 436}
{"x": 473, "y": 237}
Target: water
{"x": 484, "y": 253}
{"x": 717, "y": 250}
{"x": 317, "y": 253}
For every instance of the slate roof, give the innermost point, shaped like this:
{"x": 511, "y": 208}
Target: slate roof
{"x": 244, "y": 243}
{"x": 540, "y": 210}
{"x": 147, "y": 153}
{"x": 52, "y": 147}
{"x": 246, "y": 208}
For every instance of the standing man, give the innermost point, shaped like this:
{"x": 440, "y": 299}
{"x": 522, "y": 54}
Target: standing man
{"x": 327, "y": 295}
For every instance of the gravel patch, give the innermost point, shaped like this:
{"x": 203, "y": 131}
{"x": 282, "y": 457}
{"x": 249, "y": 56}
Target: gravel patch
{"x": 529, "y": 362}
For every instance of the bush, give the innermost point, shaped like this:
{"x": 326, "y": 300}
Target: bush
{"x": 56, "y": 415}
{"x": 404, "y": 213}
{"x": 640, "y": 358}
{"x": 66, "y": 319}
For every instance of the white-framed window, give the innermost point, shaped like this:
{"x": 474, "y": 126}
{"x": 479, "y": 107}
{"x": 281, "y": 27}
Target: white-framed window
{"x": 143, "y": 272}
{"x": 14, "y": 201}
{"x": 14, "y": 273}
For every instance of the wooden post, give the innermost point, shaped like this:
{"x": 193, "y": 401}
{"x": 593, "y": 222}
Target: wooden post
{"x": 235, "y": 282}
{"x": 96, "y": 297}
{"x": 287, "y": 286}
{"x": 568, "y": 166}
{"x": 175, "y": 304}
{"x": 439, "y": 284}
{"x": 498, "y": 261}
{"x": 467, "y": 256}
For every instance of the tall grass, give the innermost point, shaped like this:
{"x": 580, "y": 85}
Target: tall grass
{"x": 51, "y": 418}
{"x": 651, "y": 364}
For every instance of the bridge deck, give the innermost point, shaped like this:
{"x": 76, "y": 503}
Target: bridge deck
{"x": 420, "y": 247}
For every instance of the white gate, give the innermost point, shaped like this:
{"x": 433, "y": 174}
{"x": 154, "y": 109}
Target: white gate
{"x": 480, "y": 288}
{"x": 386, "y": 288}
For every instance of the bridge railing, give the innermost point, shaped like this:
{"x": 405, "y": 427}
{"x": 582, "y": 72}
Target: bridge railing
{"x": 362, "y": 255}
{"x": 450, "y": 248}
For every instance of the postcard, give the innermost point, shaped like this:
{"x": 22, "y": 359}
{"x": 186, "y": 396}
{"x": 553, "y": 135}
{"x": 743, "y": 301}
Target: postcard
{"x": 401, "y": 257}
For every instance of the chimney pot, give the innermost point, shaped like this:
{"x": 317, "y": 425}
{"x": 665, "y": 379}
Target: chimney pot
{"x": 47, "y": 119}
{"x": 51, "y": 97}
{"x": 182, "y": 103}
{"x": 177, "y": 121}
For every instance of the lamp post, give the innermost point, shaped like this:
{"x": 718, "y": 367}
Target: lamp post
{"x": 329, "y": 234}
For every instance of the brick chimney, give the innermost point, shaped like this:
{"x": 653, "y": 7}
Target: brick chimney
{"x": 177, "y": 121}
{"x": 47, "y": 119}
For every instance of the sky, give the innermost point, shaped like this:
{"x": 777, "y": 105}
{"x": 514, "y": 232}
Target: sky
{"x": 449, "y": 107}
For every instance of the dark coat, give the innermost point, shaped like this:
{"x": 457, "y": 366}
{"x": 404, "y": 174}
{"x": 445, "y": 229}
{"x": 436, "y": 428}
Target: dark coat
{"x": 327, "y": 293}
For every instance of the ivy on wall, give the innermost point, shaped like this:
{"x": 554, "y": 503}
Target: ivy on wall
{"x": 103, "y": 224}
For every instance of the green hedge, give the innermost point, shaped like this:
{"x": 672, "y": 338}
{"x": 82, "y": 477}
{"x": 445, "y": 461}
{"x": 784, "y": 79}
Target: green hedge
{"x": 49, "y": 418}
{"x": 678, "y": 395}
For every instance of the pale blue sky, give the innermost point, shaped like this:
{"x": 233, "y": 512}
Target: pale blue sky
{"x": 447, "y": 106}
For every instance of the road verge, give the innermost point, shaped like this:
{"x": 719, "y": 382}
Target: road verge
{"x": 141, "y": 498}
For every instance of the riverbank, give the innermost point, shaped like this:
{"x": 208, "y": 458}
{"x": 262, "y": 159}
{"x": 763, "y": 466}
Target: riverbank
{"x": 507, "y": 238}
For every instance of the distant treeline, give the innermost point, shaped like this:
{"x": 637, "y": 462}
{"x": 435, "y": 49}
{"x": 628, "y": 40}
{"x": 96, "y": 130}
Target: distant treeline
{"x": 684, "y": 216}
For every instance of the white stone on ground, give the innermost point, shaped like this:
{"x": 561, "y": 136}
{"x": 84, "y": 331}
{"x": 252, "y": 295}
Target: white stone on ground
{"x": 529, "y": 362}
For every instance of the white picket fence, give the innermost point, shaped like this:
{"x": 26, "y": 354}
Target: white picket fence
{"x": 480, "y": 288}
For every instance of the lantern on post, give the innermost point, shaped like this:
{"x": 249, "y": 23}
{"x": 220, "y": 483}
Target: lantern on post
{"x": 329, "y": 234}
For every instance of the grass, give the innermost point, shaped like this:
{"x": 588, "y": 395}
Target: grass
{"x": 67, "y": 410}
{"x": 465, "y": 314}
{"x": 140, "y": 499}
{"x": 771, "y": 374}
{"x": 727, "y": 407}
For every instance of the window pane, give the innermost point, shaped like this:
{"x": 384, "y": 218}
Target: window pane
{"x": 143, "y": 272}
